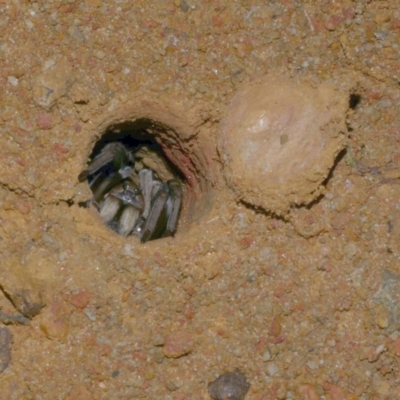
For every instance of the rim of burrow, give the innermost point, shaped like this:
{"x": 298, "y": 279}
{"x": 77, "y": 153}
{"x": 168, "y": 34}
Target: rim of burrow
{"x": 184, "y": 141}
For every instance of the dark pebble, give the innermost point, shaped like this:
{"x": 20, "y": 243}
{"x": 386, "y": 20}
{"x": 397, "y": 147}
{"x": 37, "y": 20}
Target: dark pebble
{"x": 184, "y": 6}
{"x": 115, "y": 373}
{"x": 27, "y": 302}
{"x": 230, "y": 385}
{"x": 5, "y": 348}
{"x": 13, "y": 319}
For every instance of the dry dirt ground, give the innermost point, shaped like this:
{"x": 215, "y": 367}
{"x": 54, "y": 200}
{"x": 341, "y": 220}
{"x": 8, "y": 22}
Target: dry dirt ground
{"x": 306, "y": 306}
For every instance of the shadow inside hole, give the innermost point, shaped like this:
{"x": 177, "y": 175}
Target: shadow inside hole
{"x": 354, "y": 100}
{"x": 142, "y": 136}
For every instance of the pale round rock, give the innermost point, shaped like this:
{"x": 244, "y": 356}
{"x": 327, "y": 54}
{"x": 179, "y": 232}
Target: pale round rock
{"x": 280, "y": 139}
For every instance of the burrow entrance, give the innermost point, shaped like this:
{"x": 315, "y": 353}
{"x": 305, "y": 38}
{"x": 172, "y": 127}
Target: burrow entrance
{"x": 167, "y": 152}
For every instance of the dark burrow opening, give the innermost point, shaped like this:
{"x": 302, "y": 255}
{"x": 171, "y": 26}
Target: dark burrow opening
{"x": 137, "y": 189}
{"x": 354, "y": 101}
{"x": 142, "y": 137}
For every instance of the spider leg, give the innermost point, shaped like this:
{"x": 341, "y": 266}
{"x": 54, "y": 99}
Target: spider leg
{"x": 100, "y": 186}
{"x": 109, "y": 209}
{"x": 137, "y": 230}
{"x": 146, "y": 180}
{"x": 173, "y": 206}
{"x": 115, "y": 153}
{"x": 154, "y": 225}
{"x": 121, "y": 207}
{"x": 127, "y": 220}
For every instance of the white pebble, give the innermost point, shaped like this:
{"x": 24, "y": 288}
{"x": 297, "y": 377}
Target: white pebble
{"x": 13, "y": 80}
{"x": 272, "y": 369}
{"x": 266, "y": 356}
{"x": 312, "y": 364}
{"x": 380, "y": 349}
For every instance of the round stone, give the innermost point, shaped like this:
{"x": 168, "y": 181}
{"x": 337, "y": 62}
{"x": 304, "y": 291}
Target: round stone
{"x": 279, "y": 140}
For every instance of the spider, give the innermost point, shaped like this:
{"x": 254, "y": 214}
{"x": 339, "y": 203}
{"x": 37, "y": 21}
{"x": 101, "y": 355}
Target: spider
{"x": 132, "y": 203}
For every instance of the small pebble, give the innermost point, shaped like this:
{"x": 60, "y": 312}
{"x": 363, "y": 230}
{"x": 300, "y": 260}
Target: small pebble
{"x": 184, "y": 6}
{"x": 381, "y": 35}
{"x": 307, "y": 392}
{"x": 54, "y": 326}
{"x": 272, "y": 369}
{"x": 312, "y": 364}
{"x": 266, "y": 356}
{"x": 13, "y": 80}
{"x": 178, "y": 344}
{"x": 80, "y": 299}
{"x": 384, "y": 103}
{"x": 172, "y": 386}
{"x": 5, "y": 348}
{"x": 276, "y": 326}
{"x": 44, "y": 121}
{"x": 158, "y": 356}
{"x": 90, "y": 314}
{"x": 158, "y": 340}
{"x": 229, "y": 386}
{"x": 100, "y": 54}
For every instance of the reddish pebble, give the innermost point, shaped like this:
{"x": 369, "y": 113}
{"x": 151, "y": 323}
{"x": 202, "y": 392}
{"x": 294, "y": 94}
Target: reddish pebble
{"x": 246, "y": 241}
{"x": 349, "y": 13}
{"x": 20, "y": 132}
{"x": 279, "y": 292}
{"x": 140, "y": 355}
{"x": 217, "y": 20}
{"x": 149, "y": 23}
{"x": 178, "y": 344}
{"x": 80, "y": 299}
{"x": 375, "y": 96}
{"x": 79, "y": 392}
{"x": 20, "y": 161}
{"x": 396, "y": 23}
{"x": 59, "y": 148}
{"x": 60, "y": 151}
{"x": 333, "y": 22}
{"x": 261, "y": 344}
{"x": 22, "y": 207}
{"x": 276, "y": 326}
{"x": 277, "y": 340}
{"x": 190, "y": 312}
{"x": 329, "y": 25}
{"x": 335, "y": 392}
{"x": 397, "y": 347}
{"x": 44, "y": 121}
{"x": 307, "y": 392}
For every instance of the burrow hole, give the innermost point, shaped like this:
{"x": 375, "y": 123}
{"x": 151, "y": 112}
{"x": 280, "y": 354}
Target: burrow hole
{"x": 354, "y": 100}
{"x": 145, "y": 139}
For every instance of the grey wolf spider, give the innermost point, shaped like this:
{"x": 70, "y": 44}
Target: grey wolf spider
{"x": 132, "y": 203}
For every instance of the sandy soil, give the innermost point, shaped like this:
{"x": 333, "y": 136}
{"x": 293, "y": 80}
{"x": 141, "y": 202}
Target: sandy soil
{"x": 306, "y": 306}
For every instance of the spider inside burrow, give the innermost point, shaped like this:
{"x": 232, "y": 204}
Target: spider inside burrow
{"x": 132, "y": 201}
